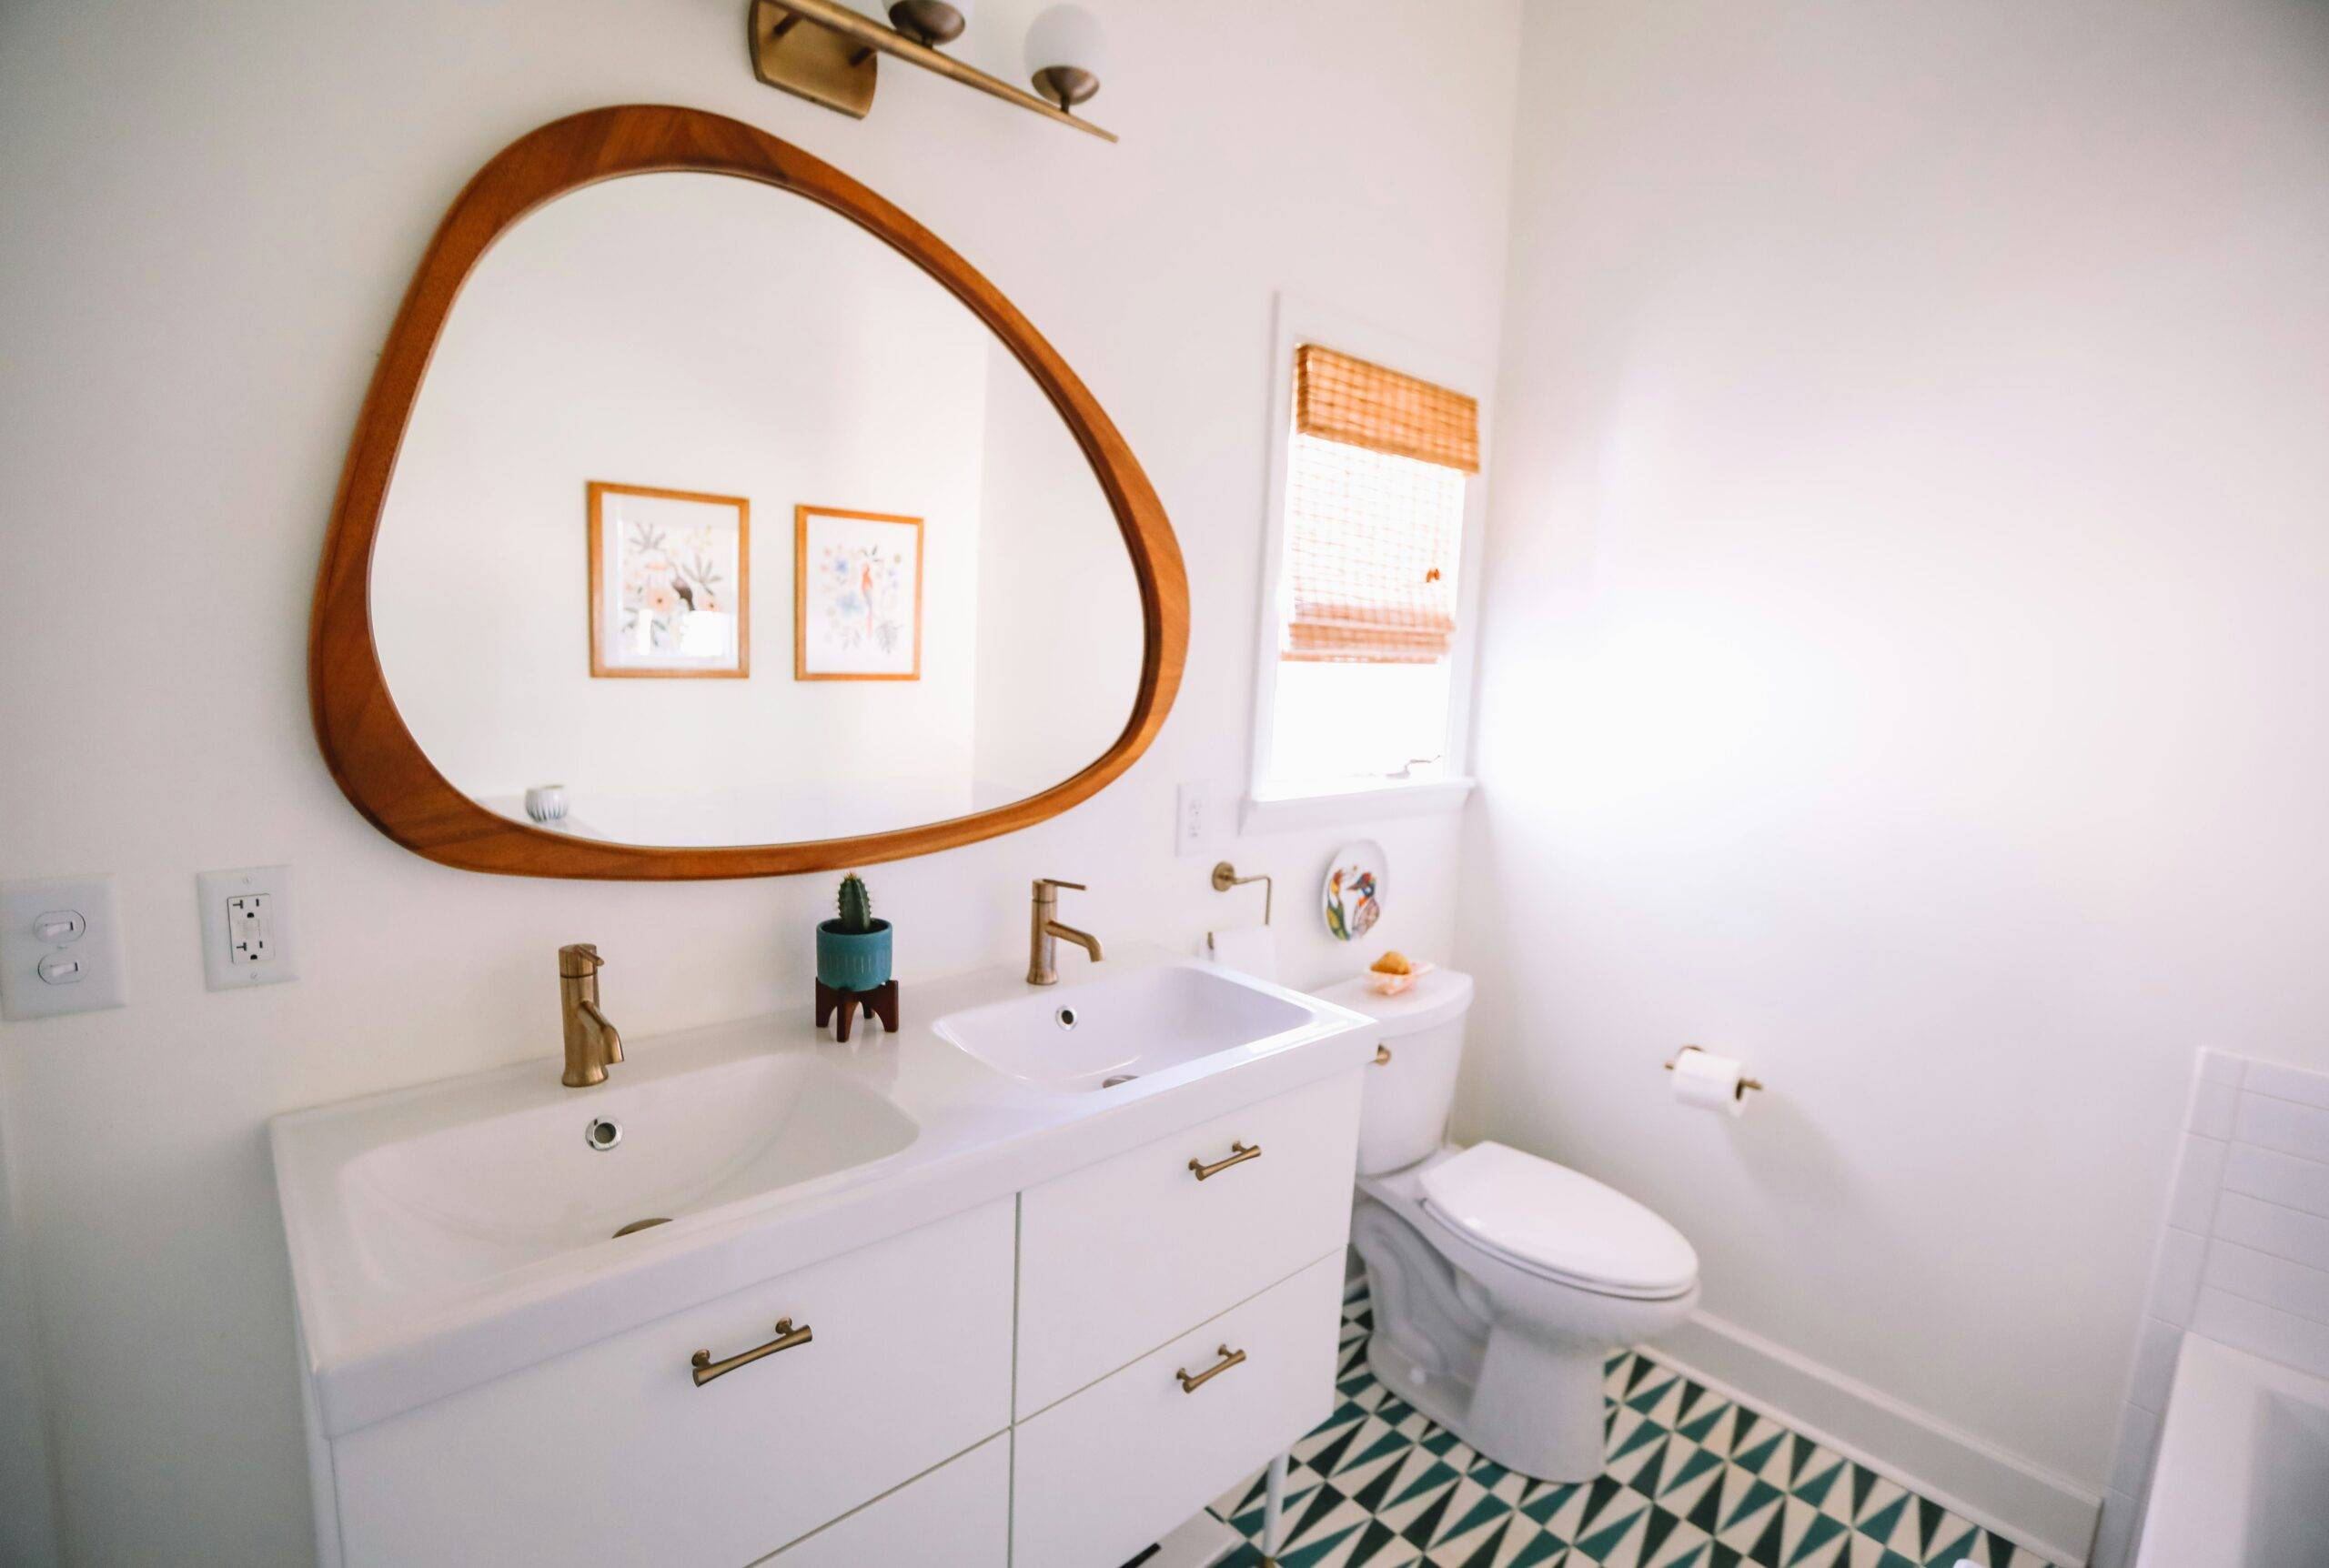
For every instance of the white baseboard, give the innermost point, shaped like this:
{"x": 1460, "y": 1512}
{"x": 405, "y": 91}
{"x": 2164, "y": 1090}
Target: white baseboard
{"x": 1978, "y": 1481}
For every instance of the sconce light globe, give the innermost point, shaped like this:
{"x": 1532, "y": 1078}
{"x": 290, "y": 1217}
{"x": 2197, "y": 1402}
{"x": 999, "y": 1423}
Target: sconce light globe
{"x": 1067, "y": 53}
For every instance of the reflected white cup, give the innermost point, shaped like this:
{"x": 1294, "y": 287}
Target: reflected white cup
{"x": 546, "y": 802}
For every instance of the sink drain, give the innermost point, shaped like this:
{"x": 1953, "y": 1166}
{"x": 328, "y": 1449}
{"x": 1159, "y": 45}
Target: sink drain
{"x": 644, "y": 1225}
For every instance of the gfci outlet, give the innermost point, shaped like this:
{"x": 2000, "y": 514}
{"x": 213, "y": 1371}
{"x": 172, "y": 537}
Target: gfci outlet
{"x": 1192, "y": 819}
{"x": 246, "y": 927}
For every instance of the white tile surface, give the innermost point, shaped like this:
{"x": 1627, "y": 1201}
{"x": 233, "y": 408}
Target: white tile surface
{"x": 2176, "y": 1276}
{"x": 2283, "y": 1178}
{"x": 2223, "y": 1067}
{"x": 2261, "y": 1277}
{"x": 2263, "y": 1330}
{"x": 2213, "y": 1108}
{"x": 2244, "y": 1258}
{"x": 2290, "y": 1233}
{"x": 2287, "y": 1083}
{"x": 2191, "y": 1205}
{"x": 2283, "y": 1124}
{"x": 2138, "y": 1442}
{"x": 2156, "y": 1342}
{"x": 2114, "y": 1539}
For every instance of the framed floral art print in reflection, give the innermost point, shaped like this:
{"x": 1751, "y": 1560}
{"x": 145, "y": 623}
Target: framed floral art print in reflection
{"x": 671, "y": 580}
{"x": 856, "y": 596}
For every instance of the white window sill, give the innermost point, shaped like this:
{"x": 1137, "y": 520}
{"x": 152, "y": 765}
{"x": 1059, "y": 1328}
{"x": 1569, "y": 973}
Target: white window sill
{"x": 1359, "y": 801}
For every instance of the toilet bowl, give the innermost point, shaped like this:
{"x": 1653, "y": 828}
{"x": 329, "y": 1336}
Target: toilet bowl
{"x": 1500, "y": 1282}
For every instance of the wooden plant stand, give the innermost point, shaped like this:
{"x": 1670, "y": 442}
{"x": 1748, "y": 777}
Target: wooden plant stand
{"x": 880, "y": 1002}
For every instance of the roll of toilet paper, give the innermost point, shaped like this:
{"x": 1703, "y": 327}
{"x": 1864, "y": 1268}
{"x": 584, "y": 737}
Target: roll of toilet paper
{"x": 1710, "y": 1082}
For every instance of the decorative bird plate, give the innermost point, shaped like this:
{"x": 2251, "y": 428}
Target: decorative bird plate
{"x": 1357, "y": 880}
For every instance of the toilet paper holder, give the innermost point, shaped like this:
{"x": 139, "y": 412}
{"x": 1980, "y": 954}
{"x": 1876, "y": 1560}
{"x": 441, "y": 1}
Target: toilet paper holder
{"x": 1744, "y": 1083}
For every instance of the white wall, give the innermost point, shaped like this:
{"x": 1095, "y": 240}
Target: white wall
{"x": 207, "y": 236}
{"x": 1905, "y": 657}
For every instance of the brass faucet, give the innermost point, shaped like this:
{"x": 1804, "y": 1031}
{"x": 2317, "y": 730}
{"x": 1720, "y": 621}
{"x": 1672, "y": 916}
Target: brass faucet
{"x": 1044, "y": 933}
{"x": 592, "y": 1044}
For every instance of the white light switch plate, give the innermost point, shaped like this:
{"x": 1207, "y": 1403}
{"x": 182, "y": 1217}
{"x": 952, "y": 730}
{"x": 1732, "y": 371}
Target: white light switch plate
{"x": 60, "y": 947}
{"x": 246, "y": 927}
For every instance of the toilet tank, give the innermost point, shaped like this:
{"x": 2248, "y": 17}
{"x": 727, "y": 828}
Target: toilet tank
{"x": 1403, "y": 1115}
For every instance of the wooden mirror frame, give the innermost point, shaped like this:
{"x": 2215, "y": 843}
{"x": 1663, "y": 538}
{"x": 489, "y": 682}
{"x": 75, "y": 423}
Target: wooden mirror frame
{"x": 373, "y": 756}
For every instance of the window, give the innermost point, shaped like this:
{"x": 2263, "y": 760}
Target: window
{"x": 1361, "y": 666}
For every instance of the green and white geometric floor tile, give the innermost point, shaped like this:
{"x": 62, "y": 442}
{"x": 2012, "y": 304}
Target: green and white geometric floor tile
{"x": 1693, "y": 1481}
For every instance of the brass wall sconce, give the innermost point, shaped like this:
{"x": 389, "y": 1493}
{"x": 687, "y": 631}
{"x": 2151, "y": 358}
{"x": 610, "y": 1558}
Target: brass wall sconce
{"x": 826, "y": 52}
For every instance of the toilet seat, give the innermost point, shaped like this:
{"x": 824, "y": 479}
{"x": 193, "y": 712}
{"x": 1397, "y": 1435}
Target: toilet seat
{"x": 1557, "y": 1223}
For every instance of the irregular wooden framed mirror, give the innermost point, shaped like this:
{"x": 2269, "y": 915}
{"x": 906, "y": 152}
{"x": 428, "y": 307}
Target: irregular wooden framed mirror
{"x": 668, "y": 398}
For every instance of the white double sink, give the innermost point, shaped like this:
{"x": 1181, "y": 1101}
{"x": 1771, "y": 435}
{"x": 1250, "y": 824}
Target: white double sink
{"x": 446, "y": 1234}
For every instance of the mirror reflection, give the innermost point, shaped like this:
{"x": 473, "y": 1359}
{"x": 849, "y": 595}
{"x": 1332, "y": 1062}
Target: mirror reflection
{"x": 719, "y": 522}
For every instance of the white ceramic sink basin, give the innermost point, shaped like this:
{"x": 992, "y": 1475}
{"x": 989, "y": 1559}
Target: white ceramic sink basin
{"x": 458, "y": 1204}
{"x": 1104, "y": 1032}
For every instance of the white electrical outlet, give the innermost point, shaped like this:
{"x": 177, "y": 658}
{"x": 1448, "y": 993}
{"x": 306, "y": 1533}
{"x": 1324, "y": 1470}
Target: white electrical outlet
{"x": 60, "y": 947}
{"x": 1192, "y": 819}
{"x": 246, "y": 927}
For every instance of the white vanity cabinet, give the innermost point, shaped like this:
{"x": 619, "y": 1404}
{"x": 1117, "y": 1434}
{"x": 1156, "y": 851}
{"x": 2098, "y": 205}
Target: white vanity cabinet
{"x": 1146, "y": 1310}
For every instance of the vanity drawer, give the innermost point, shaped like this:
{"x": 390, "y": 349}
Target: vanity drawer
{"x": 612, "y": 1455}
{"x": 958, "y": 1514}
{"x": 1101, "y": 1475}
{"x": 1119, "y": 1257}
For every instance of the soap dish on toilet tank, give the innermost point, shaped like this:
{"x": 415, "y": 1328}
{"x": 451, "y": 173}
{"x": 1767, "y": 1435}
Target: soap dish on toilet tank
{"x": 1387, "y": 984}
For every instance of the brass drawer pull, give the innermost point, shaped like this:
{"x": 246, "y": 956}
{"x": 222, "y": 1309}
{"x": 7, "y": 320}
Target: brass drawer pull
{"x": 1229, "y": 1358}
{"x": 1238, "y": 1154}
{"x": 1382, "y": 1055}
{"x": 787, "y": 1336}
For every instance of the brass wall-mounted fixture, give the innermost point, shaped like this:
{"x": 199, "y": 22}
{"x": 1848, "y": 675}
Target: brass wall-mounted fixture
{"x": 1226, "y": 877}
{"x": 828, "y": 54}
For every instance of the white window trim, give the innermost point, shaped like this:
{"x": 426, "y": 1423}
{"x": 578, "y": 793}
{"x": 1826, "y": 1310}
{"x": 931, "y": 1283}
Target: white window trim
{"x": 1274, "y": 807}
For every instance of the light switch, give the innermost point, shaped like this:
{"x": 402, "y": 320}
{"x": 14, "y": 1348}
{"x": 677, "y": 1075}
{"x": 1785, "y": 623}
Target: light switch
{"x": 246, "y": 928}
{"x": 60, "y": 947}
{"x": 60, "y": 926}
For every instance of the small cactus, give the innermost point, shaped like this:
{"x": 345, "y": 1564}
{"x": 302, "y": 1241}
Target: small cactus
{"x": 856, "y": 906}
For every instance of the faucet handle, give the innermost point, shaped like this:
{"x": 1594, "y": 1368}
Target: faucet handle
{"x": 577, "y": 960}
{"x": 1042, "y": 882}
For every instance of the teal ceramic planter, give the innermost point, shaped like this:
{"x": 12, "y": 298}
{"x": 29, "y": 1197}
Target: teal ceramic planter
{"x": 853, "y": 961}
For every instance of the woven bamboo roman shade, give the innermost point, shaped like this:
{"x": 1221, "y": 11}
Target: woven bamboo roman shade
{"x": 1363, "y": 405}
{"x": 1375, "y": 511}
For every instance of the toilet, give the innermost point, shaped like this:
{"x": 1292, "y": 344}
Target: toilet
{"x": 1500, "y": 1280}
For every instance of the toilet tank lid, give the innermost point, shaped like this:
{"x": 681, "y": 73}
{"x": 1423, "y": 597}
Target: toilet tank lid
{"x": 1435, "y": 998}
